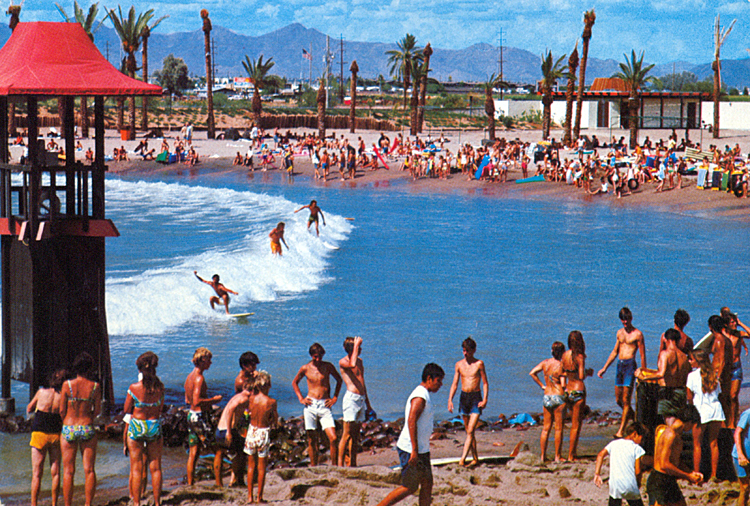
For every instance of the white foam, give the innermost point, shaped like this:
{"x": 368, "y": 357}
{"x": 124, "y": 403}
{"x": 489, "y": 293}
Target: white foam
{"x": 212, "y": 230}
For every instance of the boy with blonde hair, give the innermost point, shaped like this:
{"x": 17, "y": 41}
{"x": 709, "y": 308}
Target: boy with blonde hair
{"x": 263, "y": 417}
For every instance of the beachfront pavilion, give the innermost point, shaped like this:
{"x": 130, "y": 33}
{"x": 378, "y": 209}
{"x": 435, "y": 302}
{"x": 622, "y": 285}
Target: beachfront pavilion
{"x": 52, "y": 209}
{"x": 607, "y": 105}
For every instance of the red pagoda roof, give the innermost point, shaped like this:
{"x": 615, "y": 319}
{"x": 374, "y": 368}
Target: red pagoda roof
{"x": 45, "y": 58}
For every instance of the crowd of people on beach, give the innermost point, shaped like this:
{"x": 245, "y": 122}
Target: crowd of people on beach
{"x": 695, "y": 387}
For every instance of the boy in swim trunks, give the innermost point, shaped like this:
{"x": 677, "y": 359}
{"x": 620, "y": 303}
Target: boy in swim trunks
{"x": 222, "y": 292}
{"x": 739, "y": 455}
{"x": 200, "y": 427}
{"x": 227, "y": 437}
{"x": 356, "y": 402}
{"x": 263, "y": 417}
{"x": 472, "y": 373}
{"x": 314, "y": 212}
{"x": 661, "y": 486}
{"x": 318, "y": 402}
{"x": 277, "y": 237}
{"x": 628, "y": 340}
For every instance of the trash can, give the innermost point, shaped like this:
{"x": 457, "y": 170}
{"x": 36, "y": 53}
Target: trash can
{"x": 125, "y": 135}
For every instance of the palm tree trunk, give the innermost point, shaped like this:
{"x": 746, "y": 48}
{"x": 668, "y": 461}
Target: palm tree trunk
{"x": 414, "y": 104}
{"x": 131, "y": 100}
{"x": 407, "y": 81}
{"x": 633, "y": 120}
{"x": 120, "y": 113}
{"x": 717, "y": 94}
{"x": 581, "y": 85}
{"x": 321, "y": 100}
{"x": 546, "y": 113}
{"x": 489, "y": 109}
{"x": 84, "y": 117}
{"x": 354, "y": 68}
{"x": 210, "y": 125}
{"x": 257, "y": 106}
{"x": 427, "y": 52}
{"x": 144, "y": 99}
{"x": 12, "y": 117}
{"x": 569, "y": 93}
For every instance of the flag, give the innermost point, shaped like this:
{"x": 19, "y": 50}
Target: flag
{"x": 306, "y": 55}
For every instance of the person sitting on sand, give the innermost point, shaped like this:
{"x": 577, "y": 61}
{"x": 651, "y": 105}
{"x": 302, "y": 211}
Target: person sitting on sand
{"x": 277, "y": 237}
{"x": 473, "y": 375}
{"x": 554, "y": 398}
{"x": 222, "y": 292}
{"x": 123, "y": 156}
{"x": 89, "y": 156}
{"x": 151, "y": 155}
{"x": 237, "y": 159}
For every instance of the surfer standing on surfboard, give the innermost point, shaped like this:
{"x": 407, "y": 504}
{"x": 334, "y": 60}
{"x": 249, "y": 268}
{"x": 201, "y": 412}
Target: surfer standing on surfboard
{"x": 222, "y": 292}
{"x": 277, "y": 237}
{"x": 314, "y": 212}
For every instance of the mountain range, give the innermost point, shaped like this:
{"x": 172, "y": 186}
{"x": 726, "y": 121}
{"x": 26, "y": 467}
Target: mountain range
{"x": 472, "y": 64}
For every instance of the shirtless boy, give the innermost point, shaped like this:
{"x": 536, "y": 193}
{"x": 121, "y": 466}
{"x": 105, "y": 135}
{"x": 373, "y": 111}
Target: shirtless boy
{"x": 227, "y": 435}
{"x": 685, "y": 344}
{"x": 737, "y": 338}
{"x": 661, "y": 486}
{"x": 318, "y": 402}
{"x": 263, "y": 417}
{"x": 277, "y": 237}
{"x": 200, "y": 428}
{"x": 356, "y": 402}
{"x": 629, "y": 339}
{"x": 248, "y": 363}
{"x": 472, "y": 374}
{"x": 671, "y": 375}
{"x": 222, "y": 292}
{"x": 314, "y": 212}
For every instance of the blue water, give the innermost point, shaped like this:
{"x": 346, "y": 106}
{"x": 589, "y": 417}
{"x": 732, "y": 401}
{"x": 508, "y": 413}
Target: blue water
{"x": 414, "y": 274}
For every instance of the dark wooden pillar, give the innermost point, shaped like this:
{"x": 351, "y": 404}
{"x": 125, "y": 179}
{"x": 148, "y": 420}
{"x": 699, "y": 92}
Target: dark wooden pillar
{"x": 34, "y": 160}
{"x": 661, "y": 112}
{"x": 97, "y": 178}
{"x": 682, "y": 111}
{"x": 4, "y": 130}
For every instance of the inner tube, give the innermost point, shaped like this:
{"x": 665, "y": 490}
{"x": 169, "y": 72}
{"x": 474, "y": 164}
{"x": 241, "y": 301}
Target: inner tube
{"x": 633, "y": 184}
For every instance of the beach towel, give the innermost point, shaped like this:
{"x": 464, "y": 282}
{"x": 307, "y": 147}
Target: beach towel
{"x": 522, "y": 418}
{"x": 480, "y": 169}
{"x": 701, "y": 178}
{"x": 393, "y": 148}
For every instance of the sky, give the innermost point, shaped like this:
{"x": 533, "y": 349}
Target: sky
{"x": 667, "y": 30}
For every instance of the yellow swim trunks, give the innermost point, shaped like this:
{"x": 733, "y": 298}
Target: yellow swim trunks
{"x": 41, "y": 440}
{"x": 275, "y": 248}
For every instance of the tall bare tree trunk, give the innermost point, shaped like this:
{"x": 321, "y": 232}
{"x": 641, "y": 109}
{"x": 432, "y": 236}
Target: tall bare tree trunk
{"x": 354, "y": 68}
{"x": 717, "y": 95}
{"x": 569, "y": 93}
{"x": 131, "y": 100}
{"x": 321, "y": 100}
{"x": 145, "y": 34}
{"x": 427, "y": 52}
{"x": 489, "y": 109}
{"x": 546, "y": 112}
{"x": 84, "y": 117}
{"x": 120, "y": 113}
{"x": 633, "y": 120}
{"x": 15, "y": 13}
{"x": 210, "y": 125}
{"x": 414, "y": 103}
{"x": 589, "y": 18}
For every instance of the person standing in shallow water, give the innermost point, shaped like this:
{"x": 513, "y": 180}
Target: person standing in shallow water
{"x": 554, "y": 398}
{"x": 473, "y": 375}
{"x": 628, "y": 340}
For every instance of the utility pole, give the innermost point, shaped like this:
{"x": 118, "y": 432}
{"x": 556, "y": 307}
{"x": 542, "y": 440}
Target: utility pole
{"x": 328, "y": 59}
{"x": 309, "y": 81}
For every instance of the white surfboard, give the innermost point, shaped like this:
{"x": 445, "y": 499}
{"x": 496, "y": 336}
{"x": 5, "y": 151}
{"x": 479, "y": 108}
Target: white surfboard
{"x": 240, "y": 315}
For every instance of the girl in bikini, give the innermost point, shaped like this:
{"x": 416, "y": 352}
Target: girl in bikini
{"x": 574, "y": 367}
{"x": 554, "y": 397}
{"x": 144, "y": 401}
{"x": 80, "y": 403}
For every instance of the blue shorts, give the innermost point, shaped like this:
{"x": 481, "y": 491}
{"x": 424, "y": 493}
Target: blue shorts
{"x": 737, "y": 371}
{"x": 625, "y": 373}
{"x": 468, "y": 403}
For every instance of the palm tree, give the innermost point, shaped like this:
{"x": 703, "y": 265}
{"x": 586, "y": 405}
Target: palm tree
{"x": 426, "y": 53}
{"x": 719, "y": 37}
{"x": 489, "y": 104}
{"x": 257, "y": 70}
{"x": 145, "y": 34}
{"x": 353, "y": 68}
{"x": 88, "y": 22}
{"x": 210, "y": 124}
{"x": 400, "y": 60}
{"x": 320, "y": 98}
{"x": 589, "y": 18}
{"x": 635, "y": 76}
{"x": 551, "y": 72}
{"x": 569, "y": 92}
{"x": 129, "y": 29}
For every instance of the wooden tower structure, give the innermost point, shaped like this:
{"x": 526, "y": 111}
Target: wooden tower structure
{"x": 52, "y": 211}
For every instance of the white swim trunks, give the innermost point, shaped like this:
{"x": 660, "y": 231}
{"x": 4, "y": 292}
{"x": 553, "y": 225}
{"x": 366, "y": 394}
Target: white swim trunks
{"x": 258, "y": 441}
{"x": 354, "y": 407}
{"x": 318, "y": 412}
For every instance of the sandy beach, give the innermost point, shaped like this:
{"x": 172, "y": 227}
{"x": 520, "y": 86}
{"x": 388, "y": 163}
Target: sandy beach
{"x": 520, "y": 481}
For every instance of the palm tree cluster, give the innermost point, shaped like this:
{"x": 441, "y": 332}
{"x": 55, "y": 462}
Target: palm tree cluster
{"x": 410, "y": 64}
